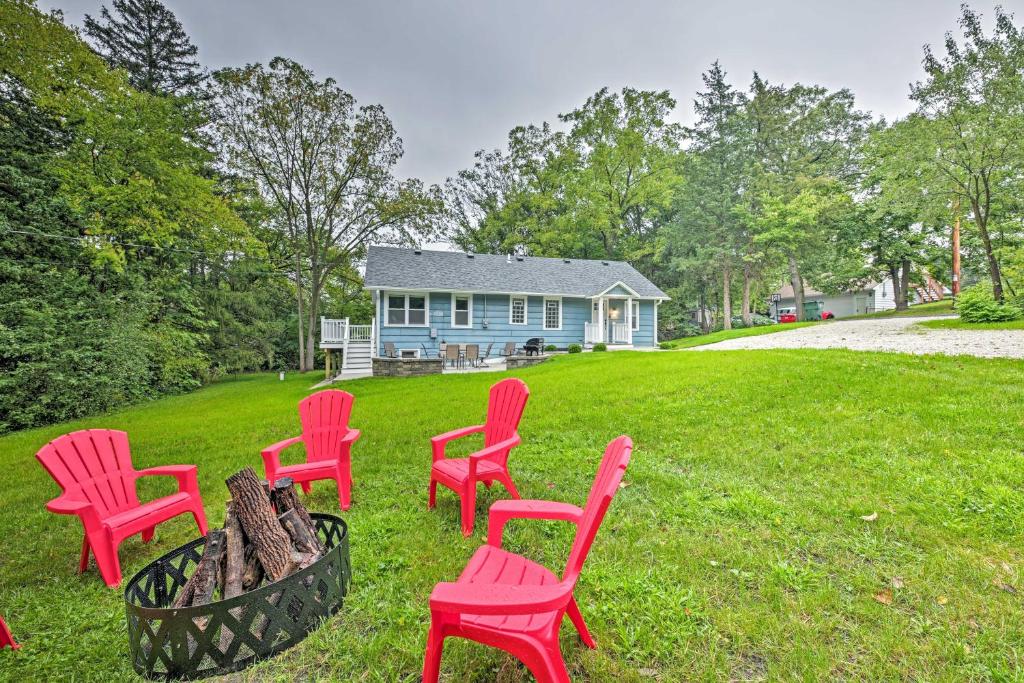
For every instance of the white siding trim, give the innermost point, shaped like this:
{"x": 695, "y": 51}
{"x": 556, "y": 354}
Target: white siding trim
{"x": 544, "y": 313}
{"x": 462, "y": 296}
{"x": 526, "y": 309}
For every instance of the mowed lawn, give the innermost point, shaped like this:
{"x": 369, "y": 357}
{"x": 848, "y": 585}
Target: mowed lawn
{"x": 737, "y": 549}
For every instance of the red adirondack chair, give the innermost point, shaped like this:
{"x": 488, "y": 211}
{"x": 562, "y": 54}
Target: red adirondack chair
{"x": 507, "y": 601}
{"x": 490, "y": 464}
{"x": 328, "y": 440}
{"x": 6, "y": 639}
{"x": 94, "y": 469}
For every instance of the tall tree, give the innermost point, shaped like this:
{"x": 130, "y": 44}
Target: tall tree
{"x": 971, "y": 142}
{"x": 144, "y": 38}
{"x": 716, "y": 176}
{"x": 806, "y": 139}
{"x": 326, "y": 165}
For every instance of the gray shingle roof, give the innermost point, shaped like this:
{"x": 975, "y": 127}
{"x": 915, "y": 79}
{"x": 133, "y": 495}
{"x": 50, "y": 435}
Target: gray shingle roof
{"x": 397, "y": 268}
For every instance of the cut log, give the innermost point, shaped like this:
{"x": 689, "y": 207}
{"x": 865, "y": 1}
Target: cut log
{"x": 252, "y": 574}
{"x": 252, "y": 506}
{"x": 285, "y": 498}
{"x": 304, "y": 541}
{"x": 200, "y": 586}
{"x": 234, "y": 556}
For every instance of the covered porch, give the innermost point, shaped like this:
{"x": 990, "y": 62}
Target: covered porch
{"x": 613, "y": 319}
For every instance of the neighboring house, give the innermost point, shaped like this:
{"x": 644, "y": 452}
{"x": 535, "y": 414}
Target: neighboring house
{"x": 871, "y": 298}
{"x": 423, "y": 298}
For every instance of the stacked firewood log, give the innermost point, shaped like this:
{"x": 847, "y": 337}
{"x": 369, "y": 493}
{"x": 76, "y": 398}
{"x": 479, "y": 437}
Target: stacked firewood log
{"x": 267, "y": 535}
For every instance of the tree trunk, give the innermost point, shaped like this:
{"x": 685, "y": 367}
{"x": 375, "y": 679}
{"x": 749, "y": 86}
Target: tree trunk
{"x": 726, "y": 297}
{"x": 798, "y": 287}
{"x": 903, "y": 297}
{"x": 298, "y": 298}
{"x": 994, "y": 271}
{"x": 313, "y": 309}
{"x": 251, "y": 504}
{"x": 894, "y": 277}
{"x": 747, "y": 280}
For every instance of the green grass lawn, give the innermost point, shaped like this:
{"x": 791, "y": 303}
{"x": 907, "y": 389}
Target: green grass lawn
{"x": 958, "y": 324}
{"x": 944, "y": 307}
{"x": 737, "y": 549}
{"x": 722, "y": 335}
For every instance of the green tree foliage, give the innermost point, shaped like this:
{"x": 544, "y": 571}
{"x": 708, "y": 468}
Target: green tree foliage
{"x": 327, "y": 168}
{"x": 601, "y": 189}
{"x": 969, "y": 138}
{"x": 144, "y": 38}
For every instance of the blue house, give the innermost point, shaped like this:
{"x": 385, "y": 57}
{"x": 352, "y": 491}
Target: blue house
{"x": 423, "y": 298}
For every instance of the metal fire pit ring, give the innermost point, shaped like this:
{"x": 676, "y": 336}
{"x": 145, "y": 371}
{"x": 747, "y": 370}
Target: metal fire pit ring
{"x": 229, "y": 635}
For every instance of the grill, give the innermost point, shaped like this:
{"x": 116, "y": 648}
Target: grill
{"x": 534, "y": 346}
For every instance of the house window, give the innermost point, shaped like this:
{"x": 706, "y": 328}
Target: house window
{"x": 636, "y": 315}
{"x": 406, "y": 309}
{"x": 552, "y": 314}
{"x": 462, "y": 311}
{"x": 517, "y": 310}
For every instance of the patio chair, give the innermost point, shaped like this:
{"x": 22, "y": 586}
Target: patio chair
{"x": 6, "y": 639}
{"x": 472, "y": 357}
{"x": 94, "y": 470}
{"x": 328, "y": 441}
{"x": 389, "y": 350}
{"x": 453, "y": 354}
{"x": 488, "y": 465}
{"x": 506, "y": 601}
{"x": 442, "y": 349}
{"x": 487, "y": 353}
{"x": 510, "y": 349}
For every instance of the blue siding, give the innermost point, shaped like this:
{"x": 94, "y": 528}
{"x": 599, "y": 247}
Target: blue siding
{"x": 494, "y": 308}
{"x": 619, "y": 290}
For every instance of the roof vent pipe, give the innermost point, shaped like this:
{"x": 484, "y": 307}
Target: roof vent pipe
{"x": 417, "y": 251}
{"x": 469, "y": 255}
{"x": 508, "y": 258}
{"x": 519, "y": 258}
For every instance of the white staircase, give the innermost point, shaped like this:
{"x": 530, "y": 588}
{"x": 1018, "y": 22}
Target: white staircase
{"x": 357, "y": 356}
{"x": 355, "y": 341}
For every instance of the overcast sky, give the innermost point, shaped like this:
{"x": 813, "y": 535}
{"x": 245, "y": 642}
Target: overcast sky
{"x": 456, "y": 76}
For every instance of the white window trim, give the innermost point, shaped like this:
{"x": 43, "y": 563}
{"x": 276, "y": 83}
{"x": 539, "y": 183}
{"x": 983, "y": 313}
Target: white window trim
{"x": 385, "y": 322}
{"x": 635, "y": 315}
{"x": 463, "y": 296}
{"x": 544, "y": 310}
{"x": 526, "y": 309}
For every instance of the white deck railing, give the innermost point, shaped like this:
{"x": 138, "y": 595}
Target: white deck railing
{"x": 592, "y": 333}
{"x": 620, "y": 333}
{"x": 339, "y": 332}
{"x": 332, "y": 331}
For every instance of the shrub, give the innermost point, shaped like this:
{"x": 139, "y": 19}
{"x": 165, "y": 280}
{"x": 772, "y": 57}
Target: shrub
{"x": 977, "y": 305}
{"x": 575, "y": 348}
{"x": 756, "y": 320}
{"x": 600, "y": 347}
{"x": 550, "y": 347}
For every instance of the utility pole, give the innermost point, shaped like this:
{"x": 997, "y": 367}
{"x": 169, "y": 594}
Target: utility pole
{"x": 956, "y": 248}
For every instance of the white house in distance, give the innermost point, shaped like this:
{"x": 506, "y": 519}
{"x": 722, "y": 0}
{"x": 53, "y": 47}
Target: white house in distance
{"x": 870, "y": 298}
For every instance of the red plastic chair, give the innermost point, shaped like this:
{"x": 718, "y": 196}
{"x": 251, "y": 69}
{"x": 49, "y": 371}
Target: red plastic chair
{"x": 490, "y": 464}
{"x": 507, "y": 601}
{"x": 94, "y": 469}
{"x": 328, "y": 440}
{"x": 6, "y": 639}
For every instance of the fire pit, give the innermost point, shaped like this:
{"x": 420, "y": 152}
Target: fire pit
{"x": 228, "y": 635}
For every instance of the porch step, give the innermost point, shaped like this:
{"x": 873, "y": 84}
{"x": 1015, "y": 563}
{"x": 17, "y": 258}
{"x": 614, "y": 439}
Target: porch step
{"x": 358, "y": 356}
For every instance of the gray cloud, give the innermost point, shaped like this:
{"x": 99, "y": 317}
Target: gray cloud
{"x": 456, "y": 75}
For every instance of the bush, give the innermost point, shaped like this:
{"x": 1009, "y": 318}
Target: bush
{"x": 686, "y": 329}
{"x": 756, "y": 320}
{"x": 600, "y": 347}
{"x": 550, "y": 347}
{"x": 575, "y": 348}
{"x": 977, "y": 305}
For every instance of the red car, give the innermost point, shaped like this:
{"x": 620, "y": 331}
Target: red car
{"x": 787, "y": 315}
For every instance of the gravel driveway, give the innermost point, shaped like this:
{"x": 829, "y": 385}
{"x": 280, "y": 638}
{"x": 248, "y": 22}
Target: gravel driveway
{"x": 885, "y": 334}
